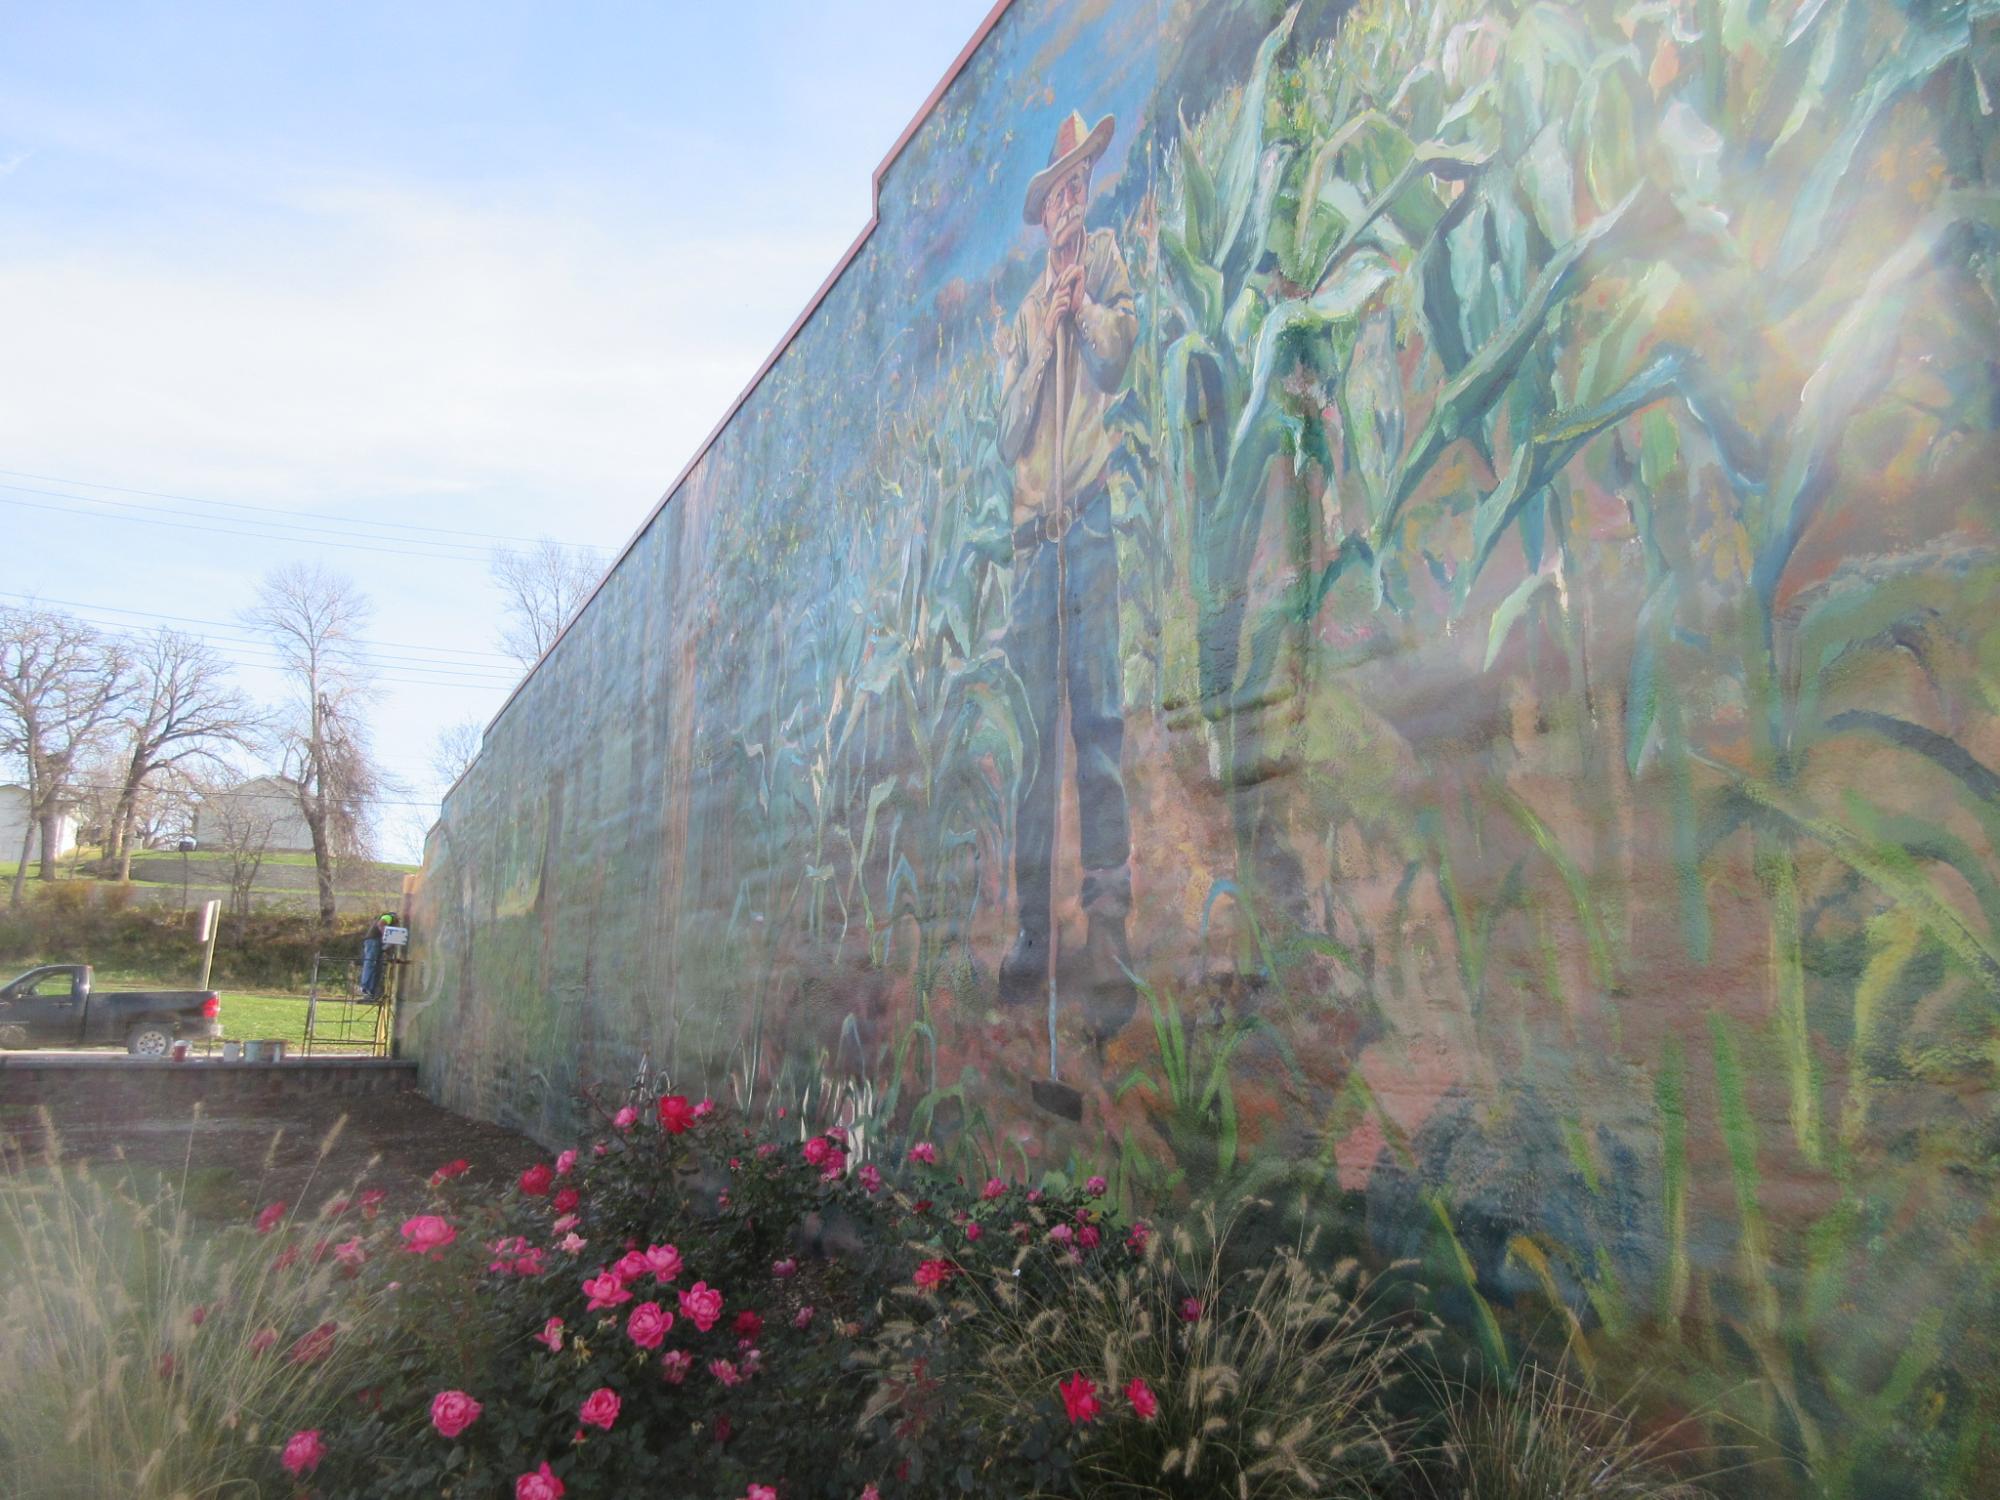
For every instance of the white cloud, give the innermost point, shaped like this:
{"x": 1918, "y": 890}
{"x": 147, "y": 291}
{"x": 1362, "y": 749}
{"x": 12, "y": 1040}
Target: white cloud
{"x": 385, "y": 342}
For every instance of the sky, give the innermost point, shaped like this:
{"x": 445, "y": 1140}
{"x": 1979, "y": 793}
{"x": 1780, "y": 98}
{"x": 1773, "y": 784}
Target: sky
{"x": 382, "y": 286}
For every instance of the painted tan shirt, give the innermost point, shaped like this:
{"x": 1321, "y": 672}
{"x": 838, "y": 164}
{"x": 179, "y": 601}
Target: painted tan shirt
{"x": 1099, "y": 344}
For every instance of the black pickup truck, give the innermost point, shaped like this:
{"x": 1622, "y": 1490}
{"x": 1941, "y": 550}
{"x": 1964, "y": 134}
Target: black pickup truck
{"x": 53, "y": 1006}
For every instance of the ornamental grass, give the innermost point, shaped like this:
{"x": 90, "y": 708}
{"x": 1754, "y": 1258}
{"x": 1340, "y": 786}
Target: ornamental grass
{"x": 145, "y": 1356}
{"x": 1160, "y": 1372}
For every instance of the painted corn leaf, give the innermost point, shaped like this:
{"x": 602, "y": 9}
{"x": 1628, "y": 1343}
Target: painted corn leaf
{"x": 1510, "y": 612}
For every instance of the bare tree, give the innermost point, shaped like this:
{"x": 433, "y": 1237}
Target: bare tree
{"x": 242, "y": 828}
{"x": 61, "y": 686}
{"x": 540, "y": 588}
{"x": 184, "y": 713}
{"x": 314, "y": 619}
{"x": 456, "y": 748}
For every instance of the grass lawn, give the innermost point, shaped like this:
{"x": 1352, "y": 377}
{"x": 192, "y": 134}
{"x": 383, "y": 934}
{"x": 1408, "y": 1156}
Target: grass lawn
{"x": 67, "y": 865}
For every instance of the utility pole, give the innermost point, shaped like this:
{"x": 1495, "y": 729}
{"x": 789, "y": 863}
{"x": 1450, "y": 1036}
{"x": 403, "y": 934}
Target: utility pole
{"x": 186, "y": 846}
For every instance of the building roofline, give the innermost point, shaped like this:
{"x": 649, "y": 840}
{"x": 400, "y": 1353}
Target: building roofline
{"x": 923, "y": 113}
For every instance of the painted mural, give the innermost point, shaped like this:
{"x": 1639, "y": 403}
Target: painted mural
{"x": 1397, "y": 602}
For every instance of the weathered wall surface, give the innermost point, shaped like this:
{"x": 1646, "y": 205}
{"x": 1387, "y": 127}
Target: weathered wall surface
{"x": 1530, "y": 648}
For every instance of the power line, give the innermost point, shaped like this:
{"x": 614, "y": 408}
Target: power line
{"x": 280, "y": 529}
{"x": 149, "y": 614}
{"x": 120, "y": 489}
{"x": 438, "y": 674}
{"x": 260, "y": 536}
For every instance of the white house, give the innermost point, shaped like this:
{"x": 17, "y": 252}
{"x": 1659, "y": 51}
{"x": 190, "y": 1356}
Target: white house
{"x": 262, "y": 811}
{"x": 14, "y": 823}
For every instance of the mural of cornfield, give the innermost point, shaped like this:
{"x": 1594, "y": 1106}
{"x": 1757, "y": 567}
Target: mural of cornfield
{"x": 1386, "y": 602}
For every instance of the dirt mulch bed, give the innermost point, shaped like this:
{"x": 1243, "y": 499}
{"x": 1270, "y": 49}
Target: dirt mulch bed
{"x": 242, "y": 1156}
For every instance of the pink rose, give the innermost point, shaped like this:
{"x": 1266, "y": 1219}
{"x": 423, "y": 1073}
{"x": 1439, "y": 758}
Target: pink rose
{"x": 1145, "y": 1405}
{"x": 303, "y": 1452}
{"x": 350, "y": 1254}
{"x": 748, "y": 1327}
{"x": 835, "y": 1165}
{"x": 994, "y": 1188}
{"x": 1034, "y": 1195}
{"x": 725, "y": 1372}
{"x": 626, "y": 1118}
{"x": 1191, "y": 1309}
{"x": 973, "y": 1231}
{"x": 371, "y": 1201}
{"x": 272, "y": 1216}
{"x": 1079, "y": 1397}
{"x": 871, "y": 1177}
{"x": 551, "y": 1335}
{"x": 263, "y": 1339}
{"x": 537, "y": 1180}
{"x": 675, "y": 1364}
{"x": 631, "y": 1266}
{"x": 313, "y": 1344}
{"x": 600, "y": 1408}
{"x": 564, "y": 1162}
{"x": 571, "y": 1243}
{"x": 450, "y": 1170}
{"x": 780, "y": 1269}
{"x": 452, "y": 1412}
{"x": 869, "y": 1492}
{"x": 1137, "y": 1235}
{"x": 924, "y": 1152}
{"x": 565, "y": 1224}
{"x": 539, "y": 1485}
{"x": 648, "y": 1325}
{"x": 760, "y": 1492}
{"x": 803, "y": 1317}
{"x": 598, "y": 1148}
{"x": 701, "y": 1305}
{"x": 565, "y": 1202}
{"x": 427, "y": 1234}
{"x": 933, "y": 1274}
{"x": 675, "y": 1114}
{"x": 664, "y": 1261}
{"x": 605, "y": 1290}
{"x": 1089, "y": 1236}
{"x": 704, "y": 1109}
{"x": 816, "y": 1150}
{"x": 1062, "y": 1234}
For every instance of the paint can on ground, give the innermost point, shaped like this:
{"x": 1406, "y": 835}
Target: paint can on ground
{"x": 232, "y": 1052}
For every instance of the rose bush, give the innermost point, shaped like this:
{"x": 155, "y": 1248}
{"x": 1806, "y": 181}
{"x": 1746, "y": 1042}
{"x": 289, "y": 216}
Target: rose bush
{"x": 717, "y": 1316}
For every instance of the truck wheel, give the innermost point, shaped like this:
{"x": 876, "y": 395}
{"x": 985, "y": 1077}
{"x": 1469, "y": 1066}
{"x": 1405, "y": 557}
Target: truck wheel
{"x": 149, "y": 1039}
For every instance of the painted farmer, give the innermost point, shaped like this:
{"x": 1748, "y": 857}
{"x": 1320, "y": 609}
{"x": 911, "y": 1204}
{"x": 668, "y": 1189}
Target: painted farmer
{"x": 1071, "y": 341}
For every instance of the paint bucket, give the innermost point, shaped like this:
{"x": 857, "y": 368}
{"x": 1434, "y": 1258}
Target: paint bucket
{"x": 257, "y": 1052}
{"x": 232, "y": 1052}
{"x": 182, "y": 1046}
